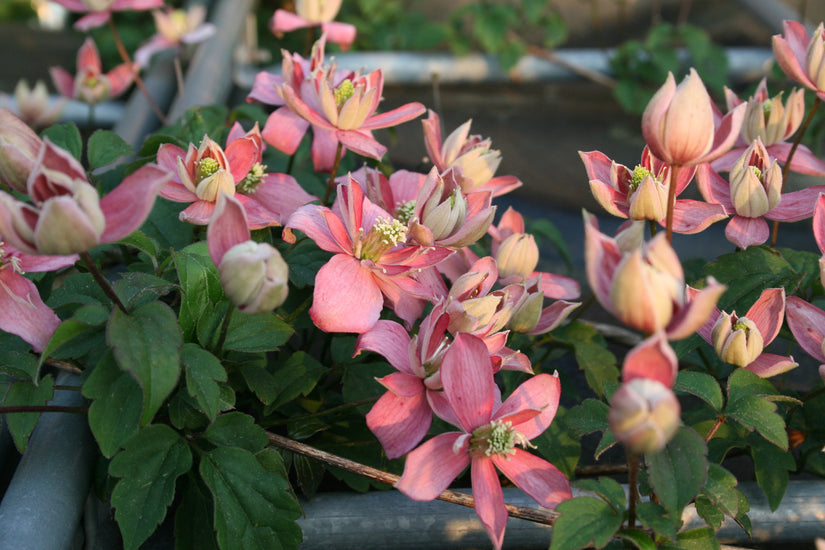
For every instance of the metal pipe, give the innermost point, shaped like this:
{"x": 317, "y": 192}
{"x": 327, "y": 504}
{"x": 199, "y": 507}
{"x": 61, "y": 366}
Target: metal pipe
{"x": 772, "y": 13}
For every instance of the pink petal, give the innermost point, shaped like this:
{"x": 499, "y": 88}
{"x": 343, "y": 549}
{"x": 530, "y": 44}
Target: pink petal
{"x": 241, "y": 154}
{"x": 23, "y": 313}
{"x": 653, "y": 359}
{"x": 294, "y": 101}
{"x": 542, "y": 481}
{"x": 745, "y": 232}
{"x": 198, "y": 213}
{"x": 489, "y": 500}
{"x": 768, "y": 312}
{"x": 257, "y": 216}
{"x": 714, "y": 188}
{"x": 63, "y": 81}
{"x": 540, "y": 392}
{"x": 346, "y": 298}
{"x": 431, "y": 467}
{"x": 264, "y": 89}
{"x": 324, "y": 149}
{"x": 610, "y": 199}
{"x": 177, "y": 192}
{"x": 120, "y": 78}
{"x": 696, "y": 312}
{"x": 227, "y": 227}
{"x": 92, "y": 20}
{"x": 323, "y": 227}
{"x": 790, "y": 51}
{"x": 128, "y": 205}
{"x": 400, "y": 423}
{"x": 342, "y": 34}
{"x": 691, "y": 217}
{"x": 390, "y": 340}
{"x": 803, "y": 161}
{"x": 796, "y": 205}
{"x": 500, "y": 185}
{"x": 554, "y": 315}
{"x": 768, "y": 364}
{"x": 30, "y": 263}
{"x": 394, "y": 117}
{"x": 467, "y": 377}
{"x": 284, "y": 130}
{"x": 819, "y": 222}
{"x": 432, "y": 138}
{"x": 88, "y": 58}
{"x": 807, "y": 323}
{"x": 403, "y": 384}
{"x": 361, "y": 143}
{"x": 559, "y": 287}
{"x": 602, "y": 256}
{"x": 725, "y": 134}
{"x": 287, "y": 21}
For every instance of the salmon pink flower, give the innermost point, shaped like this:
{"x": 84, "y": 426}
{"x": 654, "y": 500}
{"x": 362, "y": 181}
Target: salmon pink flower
{"x": 22, "y": 311}
{"x": 89, "y": 84}
{"x": 679, "y": 127}
{"x": 489, "y": 440}
{"x": 819, "y": 233}
{"x": 741, "y": 340}
{"x": 802, "y": 56}
{"x": 807, "y": 324}
{"x": 176, "y": 28}
{"x": 19, "y": 146}
{"x": 471, "y": 153}
{"x": 372, "y": 262}
{"x": 315, "y": 13}
{"x": 641, "y": 193}
{"x": 754, "y": 193}
{"x": 201, "y": 174}
{"x": 100, "y": 11}
{"x": 67, "y": 215}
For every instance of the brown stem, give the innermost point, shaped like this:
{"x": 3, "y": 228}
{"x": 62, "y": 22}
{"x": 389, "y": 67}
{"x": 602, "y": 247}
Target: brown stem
{"x": 719, "y": 421}
{"x": 102, "y": 282}
{"x": 138, "y": 80}
{"x": 632, "y": 482}
{"x": 787, "y": 167}
{"x": 63, "y": 365}
{"x": 523, "y": 512}
{"x": 43, "y": 409}
{"x": 601, "y": 470}
{"x": 326, "y": 412}
{"x": 671, "y": 201}
{"x": 331, "y": 182}
{"x": 178, "y": 75}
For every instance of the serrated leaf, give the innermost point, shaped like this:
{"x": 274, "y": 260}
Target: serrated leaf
{"x": 679, "y": 471}
{"x": 296, "y": 376}
{"x": 135, "y": 288}
{"x": 259, "y": 380}
{"x": 254, "y": 509}
{"x": 193, "y": 518}
{"x": 146, "y": 343}
{"x": 559, "y": 447}
{"x": 702, "y": 385}
{"x": 20, "y": 365}
{"x": 236, "y": 429}
{"x": 77, "y": 335}
{"x": 148, "y": 466}
{"x": 252, "y": 333}
{"x": 709, "y": 512}
{"x": 592, "y": 355}
{"x": 695, "y": 539}
{"x": 756, "y": 413}
{"x": 203, "y": 372}
{"x": 105, "y": 147}
{"x": 24, "y": 392}
{"x": 606, "y": 488}
{"x": 590, "y": 416}
{"x": 114, "y": 415}
{"x": 200, "y": 285}
{"x": 78, "y": 288}
{"x": 638, "y": 538}
{"x": 144, "y": 243}
{"x": 654, "y": 516}
{"x": 584, "y": 520}
{"x": 771, "y": 465}
{"x": 65, "y": 136}
{"x": 746, "y": 383}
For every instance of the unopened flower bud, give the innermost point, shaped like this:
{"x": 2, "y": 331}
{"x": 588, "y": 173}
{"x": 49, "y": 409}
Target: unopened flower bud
{"x": 527, "y": 313}
{"x": 648, "y": 201}
{"x": 254, "y": 276}
{"x": 517, "y": 255}
{"x": 737, "y": 340}
{"x": 644, "y": 415}
{"x": 755, "y": 182}
{"x": 773, "y": 121}
{"x": 70, "y": 223}
{"x": 444, "y": 217}
{"x": 815, "y": 58}
{"x": 18, "y": 151}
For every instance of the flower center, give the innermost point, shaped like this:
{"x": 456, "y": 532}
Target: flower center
{"x": 638, "y": 176}
{"x": 496, "y": 438}
{"x": 405, "y": 211}
{"x": 343, "y": 92}
{"x": 7, "y": 260}
{"x": 381, "y": 237}
{"x": 742, "y": 325}
{"x": 250, "y": 183}
{"x": 207, "y": 167}
{"x": 756, "y": 172}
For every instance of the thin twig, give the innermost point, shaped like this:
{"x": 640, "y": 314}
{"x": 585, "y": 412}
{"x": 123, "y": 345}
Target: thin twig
{"x": 553, "y": 57}
{"x": 63, "y": 365}
{"x": 601, "y": 470}
{"x": 632, "y": 482}
{"x": 102, "y": 282}
{"x": 719, "y": 421}
{"x": 536, "y": 515}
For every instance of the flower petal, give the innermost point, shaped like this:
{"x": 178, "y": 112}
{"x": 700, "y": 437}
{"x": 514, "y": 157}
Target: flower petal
{"x": 128, "y": 205}
{"x": 768, "y": 313}
{"x": 467, "y": 377}
{"x": 23, "y": 313}
{"x": 400, "y": 423}
{"x": 542, "y": 481}
{"x": 346, "y": 298}
{"x": 807, "y": 323}
{"x": 489, "y": 500}
{"x": 431, "y": 467}
{"x": 390, "y": 340}
{"x": 540, "y": 392}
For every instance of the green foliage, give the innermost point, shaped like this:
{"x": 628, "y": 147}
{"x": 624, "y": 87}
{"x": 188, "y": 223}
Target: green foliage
{"x": 584, "y": 521}
{"x": 679, "y": 471}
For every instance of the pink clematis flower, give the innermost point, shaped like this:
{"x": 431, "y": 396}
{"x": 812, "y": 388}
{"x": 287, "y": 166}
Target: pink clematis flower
{"x": 372, "y": 262}
{"x": 89, "y": 84}
{"x": 22, "y": 312}
{"x": 753, "y": 194}
{"x": 819, "y": 233}
{"x": 645, "y": 288}
{"x": 801, "y": 56}
{"x": 19, "y": 146}
{"x": 679, "y": 126}
{"x": 100, "y": 11}
{"x": 490, "y": 433}
{"x": 641, "y": 193}
{"x": 471, "y": 153}
{"x": 315, "y": 13}
{"x": 741, "y": 340}
{"x": 807, "y": 324}
{"x": 33, "y": 105}
{"x": 772, "y": 121}
{"x": 201, "y": 174}
{"x": 176, "y": 28}
{"x": 343, "y": 111}
{"x": 67, "y": 215}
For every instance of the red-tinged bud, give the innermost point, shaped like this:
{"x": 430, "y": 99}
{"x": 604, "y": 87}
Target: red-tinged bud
{"x": 644, "y": 415}
{"x": 517, "y": 255}
{"x": 755, "y": 182}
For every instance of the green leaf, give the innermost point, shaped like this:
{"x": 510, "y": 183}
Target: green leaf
{"x": 148, "y": 466}
{"x": 592, "y": 355}
{"x": 304, "y": 260}
{"x": 135, "y": 288}
{"x": 114, "y": 415}
{"x": 744, "y": 383}
{"x": 20, "y": 365}
{"x": 203, "y": 372}
{"x": 805, "y": 263}
{"x": 584, "y": 520}
{"x": 747, "y": 273}
{"x": 237, "y": 429}
{"x": 702, "y": 385}
{"x": 200, "y": 284}
{"x": 261, "y": 332}
{"x": 309, "y": 474}
{"x": 77, "y": 335}
{"x": 78, "y": 288}
{"x": 105, "y": 147}
{"x": 679, "y": 471}
{"x": 709, "y": 512}
{"x": 608, "y": 489}
{"x": 193, "y": 518}
{"x": 559, "y": 447}
{"x": 254, "y": 508}
{"x": 66, "y": 136}
{"x": 655, "y": 517}
{"x": 696, "y": 539}
{"x": 590, "y": 416}
{"x": 771, "y": 465}
{"x": 638, "y": 538}
{"x": 146, "y": 343}
{"x": 144, "y": 243}
{"x": 296, "y": 376}
{"x": 259, "y": 380}
{"x": 756, "y": 413}
{"x": 24, "y": 392}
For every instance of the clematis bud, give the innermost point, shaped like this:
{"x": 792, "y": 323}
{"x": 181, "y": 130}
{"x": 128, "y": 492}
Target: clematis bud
{"x": 648, "y": 196}
{"x": 815, "y": 58}
{"x": 755, "y": 182}
{"x": 737, "y": 340}
{"x": 318, "y": 11}
{"x": 644, "y": 415}
{"x": 770, "y": 119}
{"x": 18, "y": 151}
{"x": 254, "y": 276}
{"x": 517, "y": 255}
